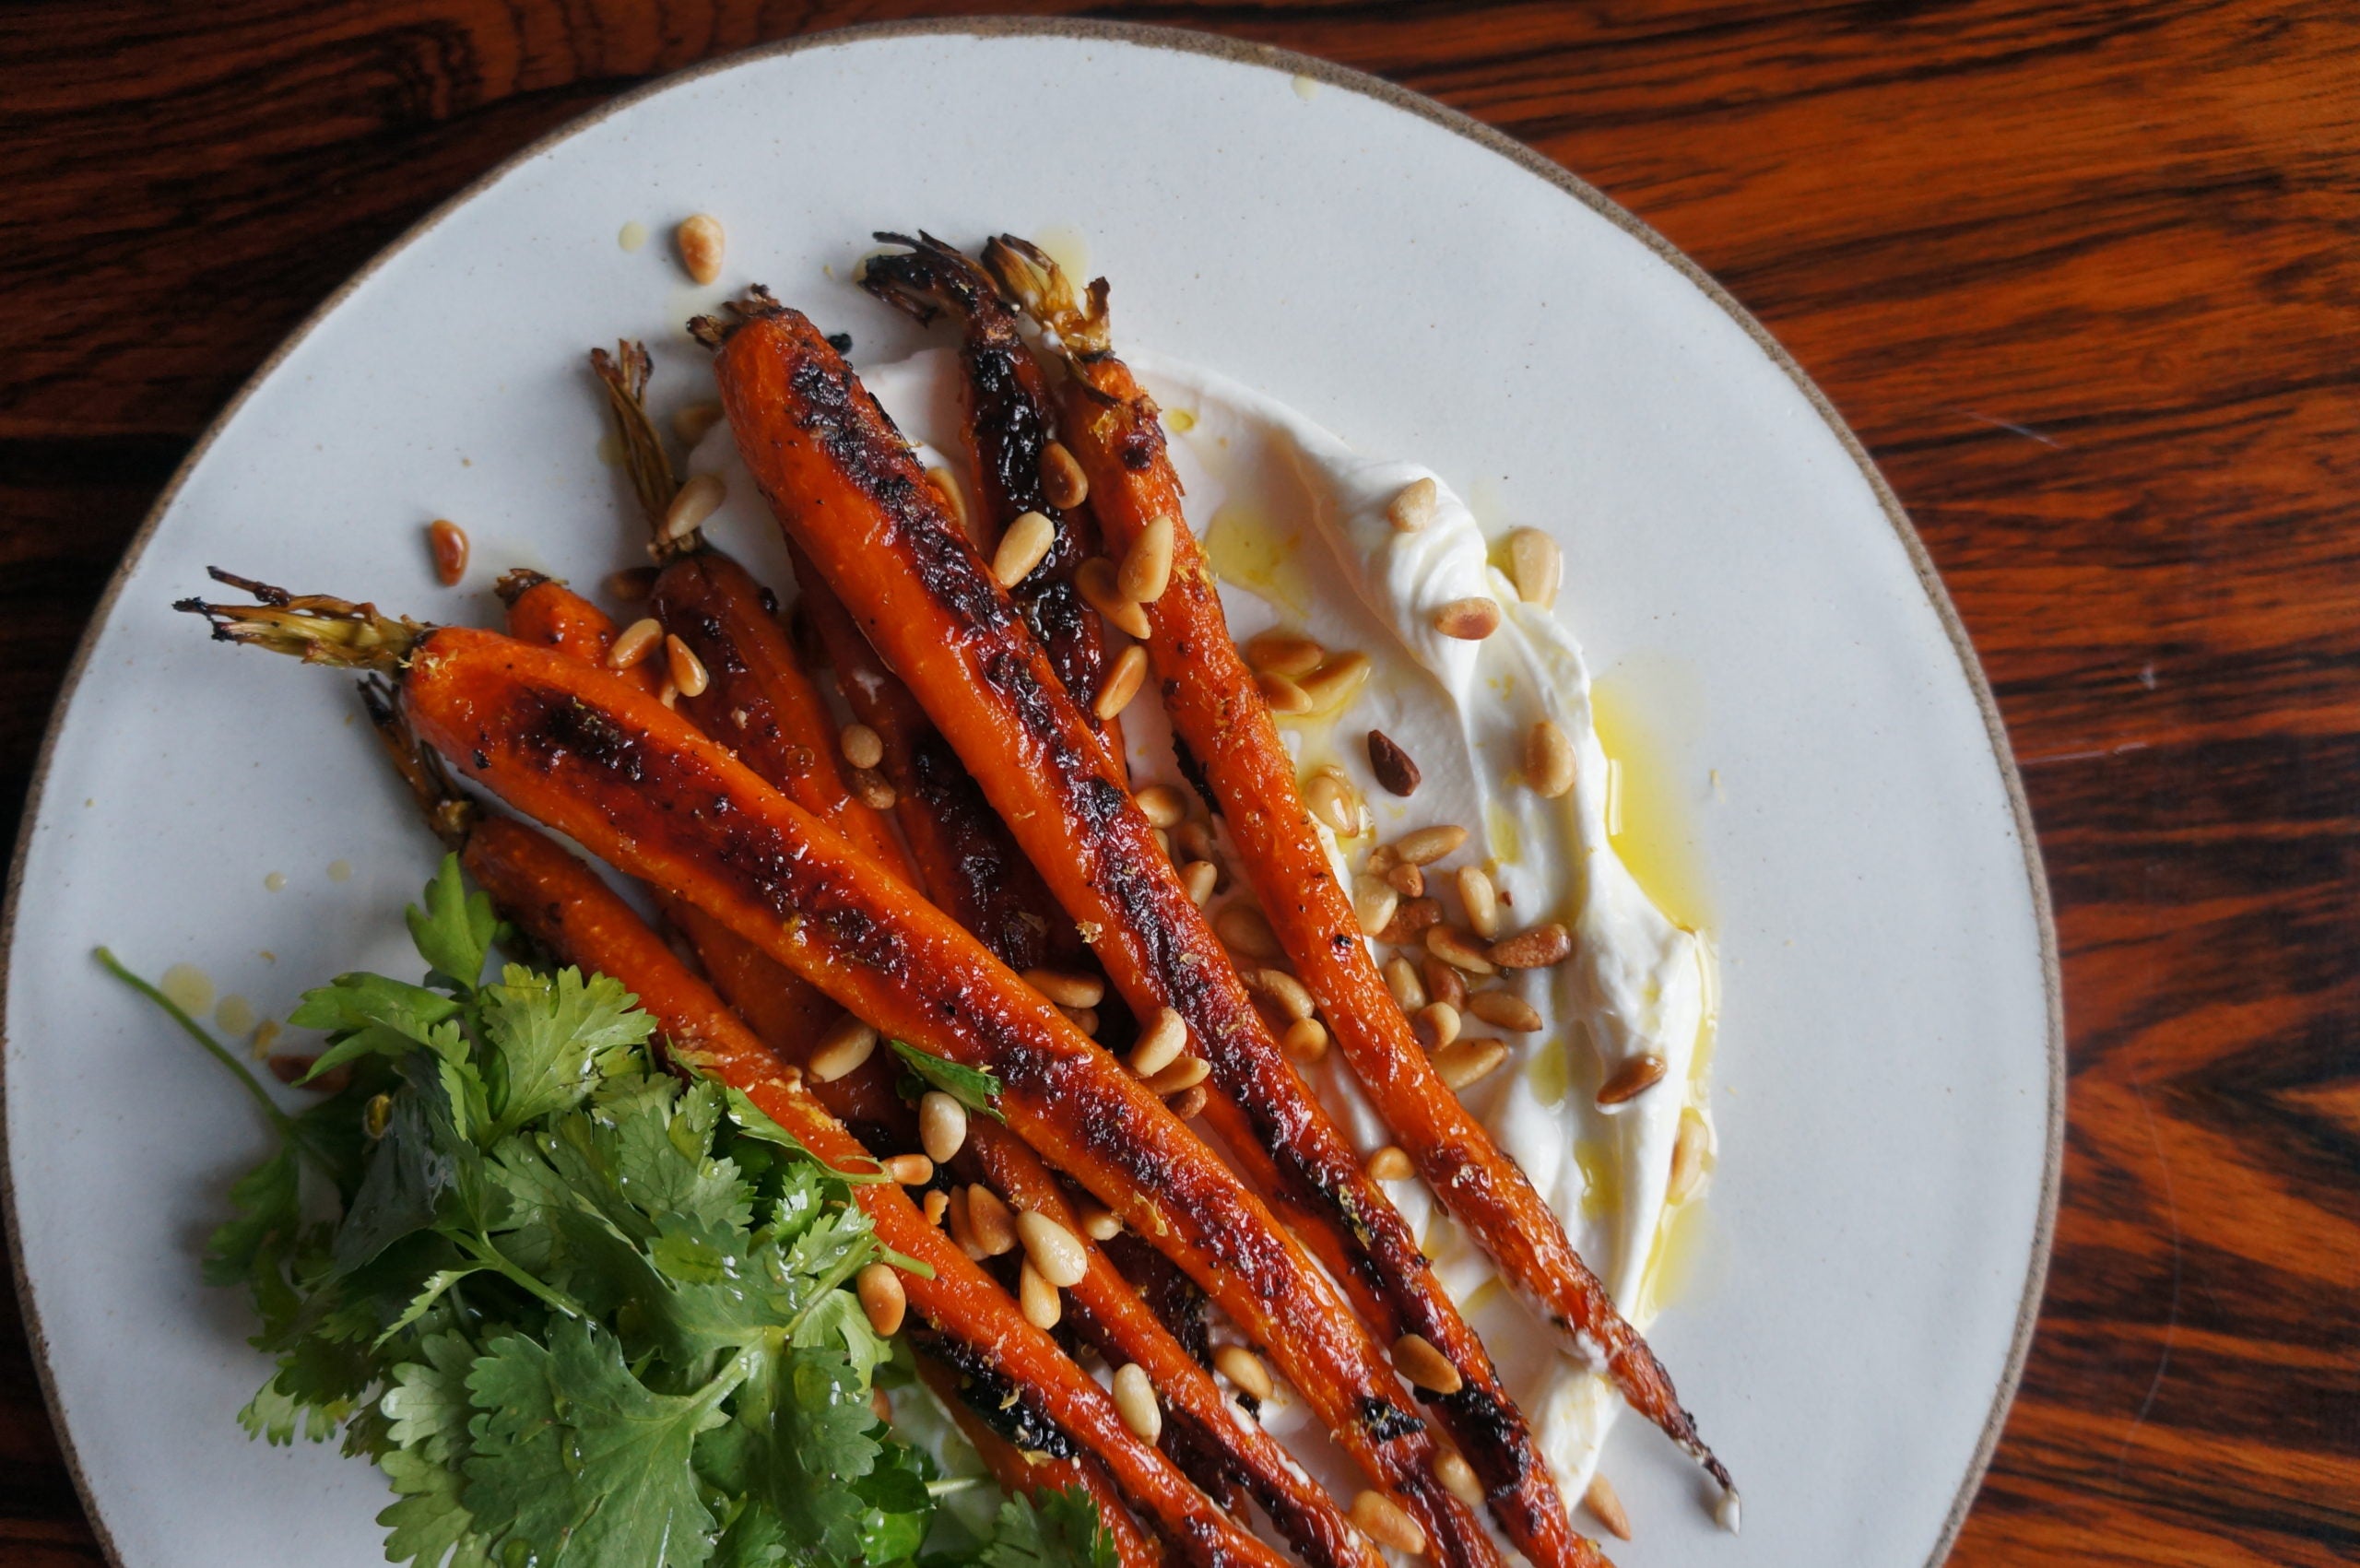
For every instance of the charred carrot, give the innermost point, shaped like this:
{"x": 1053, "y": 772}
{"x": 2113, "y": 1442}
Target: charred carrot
{"x": 847, "y": 490}
{"x": 1217, "y": 709}
{"x": 581, "y": 750}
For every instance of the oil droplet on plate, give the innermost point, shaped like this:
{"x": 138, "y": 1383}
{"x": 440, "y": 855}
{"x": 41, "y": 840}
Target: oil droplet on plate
{"x": 1068, "y": 248}
{"x": 275, "y": 882}
{"x": 1179, "y": 421}
{"x": 631, "y": 236}
{"x": 340, "y": 870}
{"x": 1649, "y": 806}
{"x": 265, "y": 1033}
{"x": 235, "y": 1015}
{"x": 188, "y": 988}
{"x": 1245, "y": 550}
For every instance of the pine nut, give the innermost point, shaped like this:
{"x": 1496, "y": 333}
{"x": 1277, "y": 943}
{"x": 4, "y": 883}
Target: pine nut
{"x": 1162, "y": 841}
{"x": 1503, "y": 1009}
{"x": 1283, "y": 695}
{"x": 1688, "y": 1151}
{"x": 687, "y": 670}
{"x": 872, "y": 789}
{"x": 1401, "y": 978}
{"x": 699, "y": 239}
{"x": 1409, "y": 881}
{"x": 1481, "y": 899}
{"x": 1245, "y": 930}
{"x": 1244, "y": 1371}
{"x": 1428, "y": 844}
{"x": 882, "y": 1298}
{"x": 632, "y": 584}
{"x": 842, "y": 1049}
{"x": 989, "y": 1220}
{"x": 1281, "y": 652}
{"x": 1411, "y": 921}
{"x": 669, "y": 695}
{"x": 1394, "y": 767}
{"x": 1095, "y": 578}
{"x": 1382, "y": 861}
{"x": 1457, "y": 950}
{"x": 1391, "y": 1164}
{"x": 1292, "y": 997}
{"x": 934, "y": 1206}
{"x": 1038, "y": 1299}
{"x": 1328, "y": 799}
{"x": 1195, "y": 841}
{"x": 377, "y": 1116}
{"x": 1066, "y": 990}
{"x": 1190, "y": 1104}
{"x": 1052, "y": 1248}
{"x": 1161, "y": 1043}
{"x": 910, "y": 1170}
{"x": 1436, "y": 1025}
{"x": 963, "y": 1232}
{"x": 1197, "y": 879}
{"x": 1083, "y": 1019}
{"x": 1536, "y": 948}
{"x": 1536, "y": 565}
{"x": 1457, "y": 1478}
{"x": 1384, "y": 1522}
{"x": 1443, "y": 984}
{"x": 1062, "y": 480}
{"x": 1306, "y": 1039}
{"x": 1462, "y": 1062}
{"x": 1164, "y": 807}
{"x": 1470, "y": 620}
{"x": 1122, "y": 682}
{"x": 863, "y": 746}
{"x": 635, "y": 641}
{"x": 944, "y": 486}
{"x": 942, "y": 1126}
{"x": 1098, "y": 1222}
{"x": 449, "y": 543}
{"x": 694, "y": 422}
{"x": 697, "y": 500}
{"x": 1630, "y": 1079}
{"x": 1023, "y": 548}
{"x": 1373, "y": 902}
{"x": 1184, "y": 1074}
{"x": 1549, "y": 760}
{"x": 1413, "y": 506}
{"x": 1425, "y": 1366}
{"x": 880, "y": 1405}
{"x": 1605, "y": 1505}
{"x": 1146, "y": 570}
{"x": 1135, "y": 1401}
{"x": 1334, "y": 684}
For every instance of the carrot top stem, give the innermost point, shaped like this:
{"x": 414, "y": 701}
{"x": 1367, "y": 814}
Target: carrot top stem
{"x": 316, "y": 627}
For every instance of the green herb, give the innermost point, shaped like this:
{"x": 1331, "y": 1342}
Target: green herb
{"x": 581, "y": 1314}
{"x": 972, "y": 1087}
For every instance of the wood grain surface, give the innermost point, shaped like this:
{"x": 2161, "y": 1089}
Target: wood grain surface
{"x": 2084, "y": 276}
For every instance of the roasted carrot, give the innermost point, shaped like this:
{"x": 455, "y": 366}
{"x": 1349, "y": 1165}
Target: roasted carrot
{"x": 1217, "y": 709}
{"x": 847, "y": 490}
{"x": 577, "y": 748}
{"x": 543, "y": 610}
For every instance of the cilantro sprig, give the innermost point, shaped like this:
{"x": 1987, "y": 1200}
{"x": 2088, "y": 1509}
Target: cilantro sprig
{"x": 971, "y": 1087}
{"x": 581, "y": 1313}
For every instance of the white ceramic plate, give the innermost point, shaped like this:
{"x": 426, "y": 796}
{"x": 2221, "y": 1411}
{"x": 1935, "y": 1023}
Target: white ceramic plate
{"x": 1888, "y": 1084}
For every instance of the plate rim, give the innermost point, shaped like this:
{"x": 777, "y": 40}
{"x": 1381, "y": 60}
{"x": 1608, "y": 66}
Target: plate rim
{"x": 1150, "y": 36}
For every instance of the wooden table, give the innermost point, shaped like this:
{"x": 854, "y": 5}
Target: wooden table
{"x": 2086, "y": 277}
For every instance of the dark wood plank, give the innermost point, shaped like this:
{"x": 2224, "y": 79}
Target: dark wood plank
{"x": 2082, "y": 273}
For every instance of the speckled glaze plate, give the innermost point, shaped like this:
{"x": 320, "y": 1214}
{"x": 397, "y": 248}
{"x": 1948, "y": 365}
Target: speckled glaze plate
{"x": 1889, "y": 1083}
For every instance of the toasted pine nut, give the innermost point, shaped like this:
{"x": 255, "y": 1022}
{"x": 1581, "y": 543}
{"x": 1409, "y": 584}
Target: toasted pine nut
{"x": 1336, "y": 683}
{"x": 962, "y": 1230}
{"x": 1283, "y": 695}
{"x": 632, "y": 584}
{"x": 1245, "y": 930}
{"x": 1605, "y": 1505}
{"x": 1066, "y": 990}
{"x": 1436, "y": 1025}
{"x": 882, "y": 1298}
{"x": 994, "y": 1227}
{"x": 687, "y": 670}
{"x": 1537, "y": 565}
{"x": 1041, "y": 1303}
{"x": 1462, "y": 1062}
{"x": 1122, "y": 682}
{"x": 1095, "y": 578}
{"x": 1197, "y": 878}
{"x": 842, "y": 1048}
{"x": 1244, "y": 1371}
{"x": 1630, "y": 1079}
{"x": 1384, "y": 1522}
{"x": 1373, "y": 902}
{"x": 669, "y": 695}
{"x": 1166, "y": 807}
{"x": 1190, "y": 1104}
{"x": 1062, "y": 480}
{"x": 1391, "y": 1164}
{"x": 449, "y": 543}
{"x": 910, "y": 1170}
{"x": 1481, "y": 899}
{"x": 942, "y": 1126}
{"x": 1306, "y": 1039}
{"x": 1395, "y": 768}
{"x": 693, "y": 420}
{"x": 1409, "y": 881}
{"x": 697, "y": 500}
{"x": 1443, "y": 984}
{"x": 1457, "y": 1478}
{"x": 1688, "y": 1152}
{"x": 1549, "y": 760}
{"x": 945, "y": 485}
{"x": 1382, "y": 861}
{"x": 1428, "y": 844}
{"x": 864, "y": 748}
{"x": 1083, "y": 1019}
{"x": 1146, "y": 570}
{"x": 1292, "y": 997}
{"x": 635, "y": 643}
{"x": 1413, "y": 506}
{"x": 1023, "y": 548}
{"x": 1411, "y": 921}
{"x": 1161, "y": 1043}
{"x": 1162, "y": 841}
{"x": 1536, "y": 948}
{"x": 1098, "y": 1222}
{"x": 1470, "y": 620}
{"x": 1326, "y": 796}
{"x": 1503, "y": 1009}
{"x": 1135, "y": 1401}
{"x": 935, "y": 1205}
{"x": 1457, "y": 950}
{"x": 1425, "y": 1366}
{"x": 1052, "y": 1248}
{"x": 1195, "y": 840}
{"x": 1186, "y": 1073}
{"x": 699, "y": 240}
{"x": 880, "y": 1405}
{"x": 1282, "y": 653}
{"x": 1401, "y": 978}
{"x": 873, "y": 789}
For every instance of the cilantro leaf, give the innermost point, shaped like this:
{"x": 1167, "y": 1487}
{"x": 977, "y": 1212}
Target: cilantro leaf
{"x": 545, "y": 1033}
{"x": 975, "y": 1089}
{"x": 427, "y": 1403}
{"x": 1062, "y": 1531}
{"x": 801, "y": 1430}
{"x": 427, "y": 1522}
{"x": 455, "y": 929}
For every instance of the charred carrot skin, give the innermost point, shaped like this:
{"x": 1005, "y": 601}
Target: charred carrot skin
{"x": 848, "y": 491}
{"x": 575, "y": 747}
{"x": 544, "y": 611}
